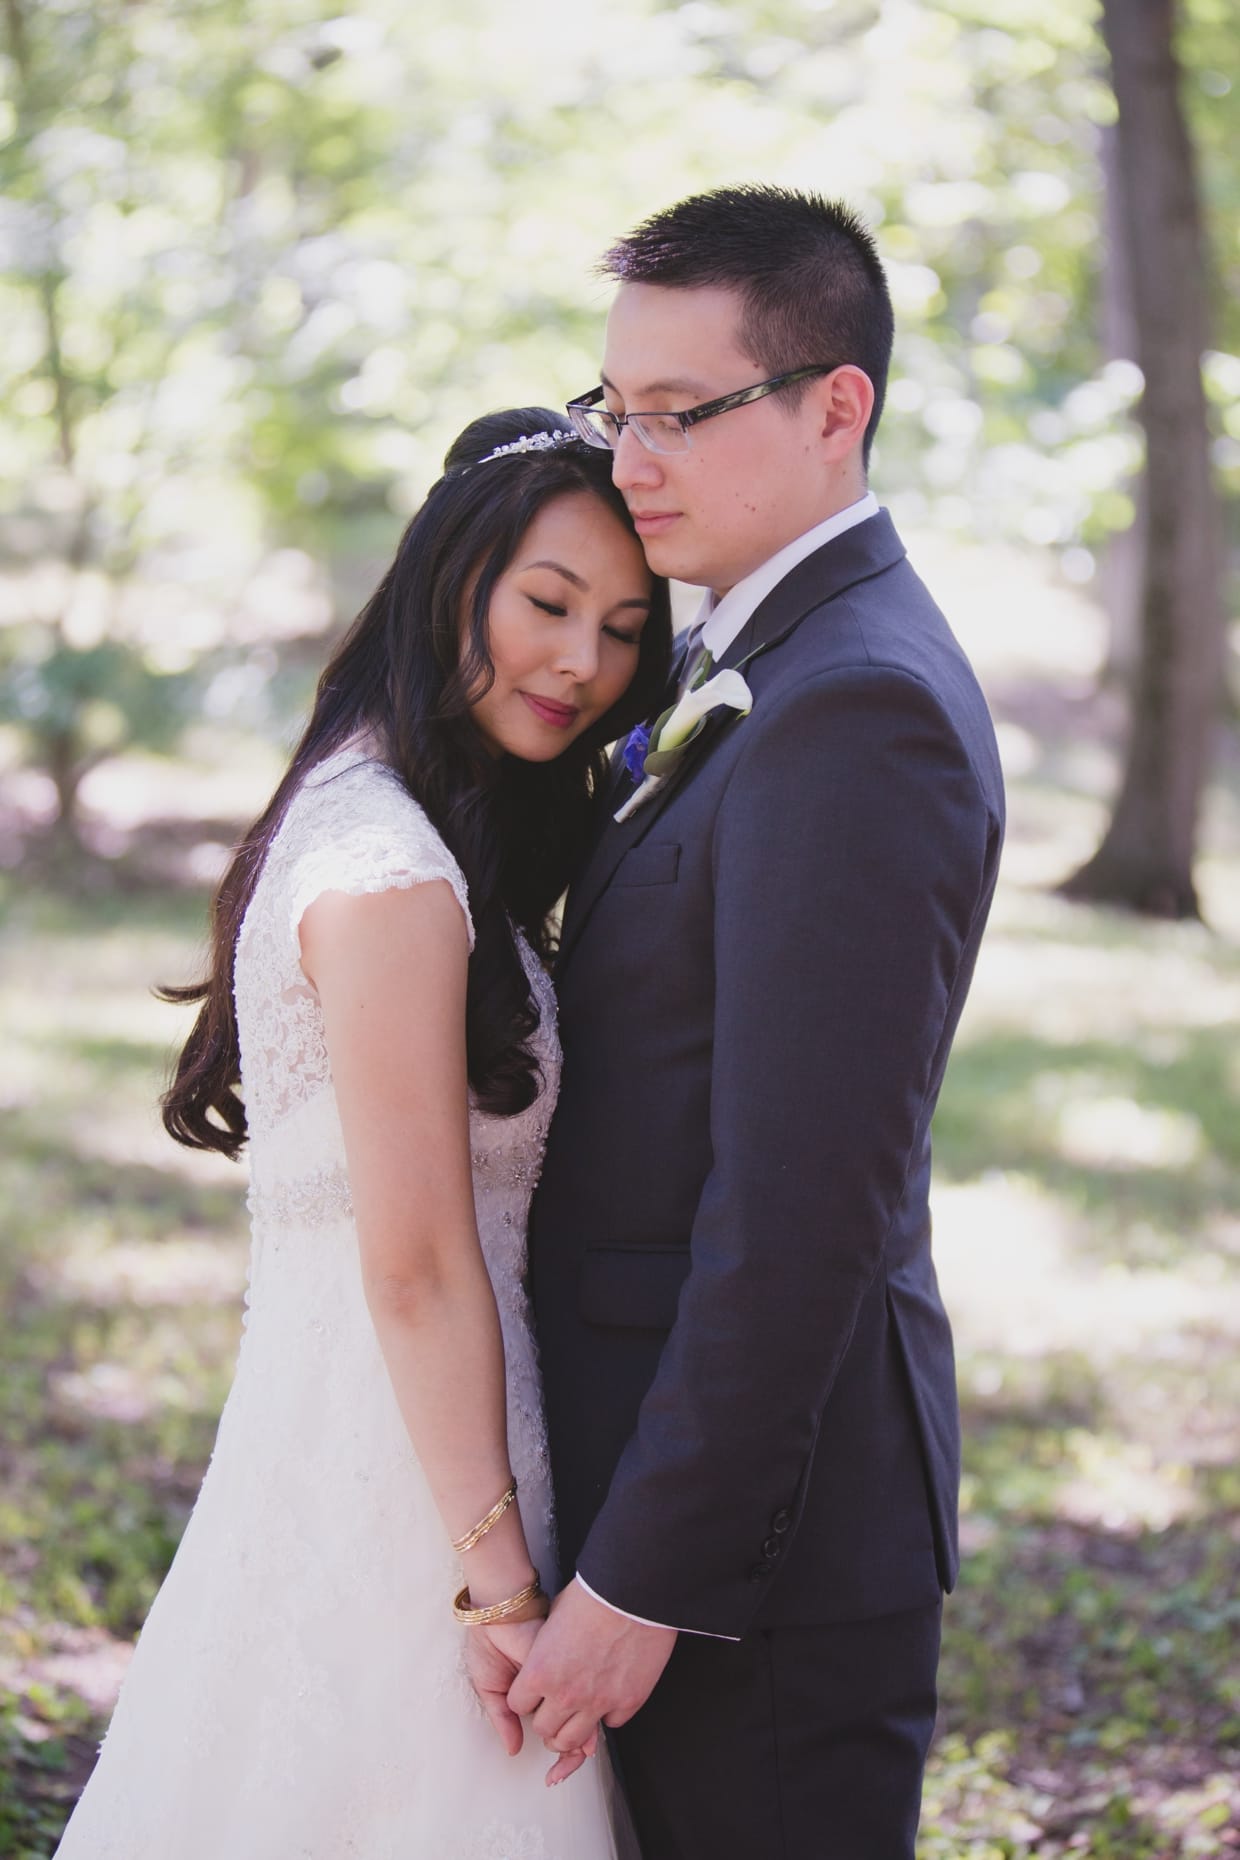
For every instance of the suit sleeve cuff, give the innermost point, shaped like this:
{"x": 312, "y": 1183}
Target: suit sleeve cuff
{"x": 641, "y": 1619}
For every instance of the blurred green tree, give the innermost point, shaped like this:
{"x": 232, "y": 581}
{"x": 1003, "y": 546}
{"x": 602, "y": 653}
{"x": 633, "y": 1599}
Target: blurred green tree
{"x": 256, "y": 265}
{"x": 143, "y": 448}
{"x": 259, "y": 259}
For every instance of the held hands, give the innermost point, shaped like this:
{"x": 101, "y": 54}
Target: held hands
{"x": 589, "y": 1665}
{"x": 585, "y": 1665}
{"x": 501, "y": 1634}
{"x": 493, "y": 1658}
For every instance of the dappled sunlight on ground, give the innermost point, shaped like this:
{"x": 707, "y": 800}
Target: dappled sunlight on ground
{"x": 1059, "y": 972}
{"x": 109, "y": 1392}
{"x": 1018, "y": 1282}
{"x": 171, "y": 1271}
{"x": 88, "y": 1663}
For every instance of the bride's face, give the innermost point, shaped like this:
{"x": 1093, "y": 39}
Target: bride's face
{"x": 564, "y": 627}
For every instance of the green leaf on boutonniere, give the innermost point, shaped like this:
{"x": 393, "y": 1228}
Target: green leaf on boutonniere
{"x": 663, "y": 761}
{"x": 672, "y": 734}
{"x": 725, "y": 688}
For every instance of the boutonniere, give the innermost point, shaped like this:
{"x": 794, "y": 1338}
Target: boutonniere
{"x": 654, "y": 750}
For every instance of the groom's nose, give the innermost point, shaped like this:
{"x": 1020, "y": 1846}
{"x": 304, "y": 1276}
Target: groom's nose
{"x": 632, "y": 463}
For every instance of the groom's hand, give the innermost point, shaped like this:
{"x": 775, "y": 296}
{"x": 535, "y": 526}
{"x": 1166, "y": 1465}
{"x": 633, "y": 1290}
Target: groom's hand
{"x": 589, "y": 1665}
{"x": 493, "y": 1657}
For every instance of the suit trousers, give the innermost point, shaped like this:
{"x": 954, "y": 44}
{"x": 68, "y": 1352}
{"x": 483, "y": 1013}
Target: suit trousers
{"x": 799, "y": 1743}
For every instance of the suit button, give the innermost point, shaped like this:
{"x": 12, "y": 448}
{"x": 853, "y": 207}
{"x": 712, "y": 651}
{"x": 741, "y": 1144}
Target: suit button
{"x": 771, "y": 1547}
{"x": 758, "y": 1571}
{"x": 781, "y": 1522}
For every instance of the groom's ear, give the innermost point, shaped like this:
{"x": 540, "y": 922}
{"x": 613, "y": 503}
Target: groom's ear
{"x": 845, "y": 401}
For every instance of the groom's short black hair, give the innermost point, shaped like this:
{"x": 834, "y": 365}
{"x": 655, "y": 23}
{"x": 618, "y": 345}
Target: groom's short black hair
{"x": 808, "y": 274}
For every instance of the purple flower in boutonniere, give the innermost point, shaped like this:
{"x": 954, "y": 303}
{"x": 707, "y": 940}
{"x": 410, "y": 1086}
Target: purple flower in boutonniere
{"x": 635, "y": 750}
{"x": 672, "y": 734}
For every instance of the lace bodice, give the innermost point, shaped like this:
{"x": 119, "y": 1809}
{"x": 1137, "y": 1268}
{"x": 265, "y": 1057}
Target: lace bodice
{"x": 351, "y": 827}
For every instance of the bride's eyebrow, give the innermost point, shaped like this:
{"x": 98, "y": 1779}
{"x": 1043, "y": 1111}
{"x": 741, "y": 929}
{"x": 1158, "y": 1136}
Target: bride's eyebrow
{"x": 558, "y": 568}
{"x": 638, "y": 600}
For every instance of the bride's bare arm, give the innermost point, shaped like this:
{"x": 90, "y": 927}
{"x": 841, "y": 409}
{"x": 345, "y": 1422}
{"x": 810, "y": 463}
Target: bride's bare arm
{"x": 390, "y": 970}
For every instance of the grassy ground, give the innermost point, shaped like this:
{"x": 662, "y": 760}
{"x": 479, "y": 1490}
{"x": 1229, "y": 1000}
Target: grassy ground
{"x": 1089, "y": 1240}
{"x": 1088, "y": 1232}
{"x": 119, "y": 1282}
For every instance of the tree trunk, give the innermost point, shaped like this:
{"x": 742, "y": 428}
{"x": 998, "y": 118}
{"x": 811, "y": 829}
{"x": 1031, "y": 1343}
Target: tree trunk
{"x": 68, "y": 765}
{"x": 1121, "y": 568}
{"x": 1145, "y": 861}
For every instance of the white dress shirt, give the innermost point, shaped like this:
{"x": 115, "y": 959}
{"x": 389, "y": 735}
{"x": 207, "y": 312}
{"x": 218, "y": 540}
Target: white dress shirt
{"x": 718, "y": 623}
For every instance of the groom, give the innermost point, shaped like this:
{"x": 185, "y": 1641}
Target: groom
{"x": 748, "y": 1368}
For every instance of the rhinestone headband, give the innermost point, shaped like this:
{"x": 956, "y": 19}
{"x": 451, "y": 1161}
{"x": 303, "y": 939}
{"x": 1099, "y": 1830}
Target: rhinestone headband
{"x": 531, "y": 442}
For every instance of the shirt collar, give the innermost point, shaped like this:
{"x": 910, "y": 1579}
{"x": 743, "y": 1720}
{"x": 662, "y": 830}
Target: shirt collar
{"x": 719, "y": 622}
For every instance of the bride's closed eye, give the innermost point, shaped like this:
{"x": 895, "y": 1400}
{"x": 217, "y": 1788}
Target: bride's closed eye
{"x": 559, "y": 613}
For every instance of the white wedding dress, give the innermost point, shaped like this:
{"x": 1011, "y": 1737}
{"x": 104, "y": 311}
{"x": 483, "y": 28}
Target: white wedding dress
{"x": 298, "y": 1692}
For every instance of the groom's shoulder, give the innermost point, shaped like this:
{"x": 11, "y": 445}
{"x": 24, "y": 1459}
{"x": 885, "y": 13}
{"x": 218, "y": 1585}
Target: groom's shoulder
{"x": 881, "y": 614}
{"x": 887, "y": 630}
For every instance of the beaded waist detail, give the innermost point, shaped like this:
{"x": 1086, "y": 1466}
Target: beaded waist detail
{"x": 321, "y": 1199}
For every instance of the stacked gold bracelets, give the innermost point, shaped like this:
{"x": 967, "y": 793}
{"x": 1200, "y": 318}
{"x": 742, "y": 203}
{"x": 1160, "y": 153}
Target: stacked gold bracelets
{"x": 528, "y": 1604}
{"x": 462, "y": 1544}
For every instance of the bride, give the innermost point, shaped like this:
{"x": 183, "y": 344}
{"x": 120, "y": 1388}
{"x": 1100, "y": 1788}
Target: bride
{"x": 378, "y": 991}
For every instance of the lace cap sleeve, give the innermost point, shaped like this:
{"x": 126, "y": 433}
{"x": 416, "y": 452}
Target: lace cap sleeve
{"x": 359, "y": 830}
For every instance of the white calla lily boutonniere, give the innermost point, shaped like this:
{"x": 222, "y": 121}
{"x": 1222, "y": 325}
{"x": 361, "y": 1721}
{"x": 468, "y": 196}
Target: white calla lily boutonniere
{"x": 653, "y": 754}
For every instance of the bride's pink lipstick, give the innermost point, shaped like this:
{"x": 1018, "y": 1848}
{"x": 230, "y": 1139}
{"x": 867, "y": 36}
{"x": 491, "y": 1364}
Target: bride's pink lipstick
{"x": 559, "y": 716}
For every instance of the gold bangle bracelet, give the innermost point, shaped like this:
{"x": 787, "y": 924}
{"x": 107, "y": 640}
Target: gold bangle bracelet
{"x": 464, "y": 1611}
{"x": 462, "y": 1544}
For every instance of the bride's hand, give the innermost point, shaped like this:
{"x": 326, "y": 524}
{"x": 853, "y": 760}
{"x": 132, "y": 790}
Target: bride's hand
{"x": 572, "y": 1760}
{"x": 493, "y": 1657}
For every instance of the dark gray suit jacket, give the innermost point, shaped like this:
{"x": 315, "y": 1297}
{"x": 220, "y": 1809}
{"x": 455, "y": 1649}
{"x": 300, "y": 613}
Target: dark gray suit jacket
{"x": 748, "y": 1370}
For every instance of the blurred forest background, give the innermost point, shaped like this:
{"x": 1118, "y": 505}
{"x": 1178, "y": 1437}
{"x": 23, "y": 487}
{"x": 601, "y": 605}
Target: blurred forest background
{"x": 258, "y": 263}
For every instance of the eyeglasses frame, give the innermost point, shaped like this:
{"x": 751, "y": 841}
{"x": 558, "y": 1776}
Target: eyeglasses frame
{"x": 689, "y": 417}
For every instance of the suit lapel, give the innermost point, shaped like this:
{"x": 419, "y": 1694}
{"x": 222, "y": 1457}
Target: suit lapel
{"x": 865, "y": 550}
{"x": 612, "y": 844}
{"x": 611, "y": 841}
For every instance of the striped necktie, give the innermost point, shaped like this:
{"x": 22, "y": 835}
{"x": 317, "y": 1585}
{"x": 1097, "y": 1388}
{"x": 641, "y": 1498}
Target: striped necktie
{"x": 699, "y": 661}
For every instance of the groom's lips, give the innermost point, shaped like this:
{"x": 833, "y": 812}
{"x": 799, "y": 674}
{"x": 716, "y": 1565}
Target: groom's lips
{"x": 653, "y": 522}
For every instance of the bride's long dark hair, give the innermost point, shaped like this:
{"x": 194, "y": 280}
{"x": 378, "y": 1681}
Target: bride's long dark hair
{"x": 406, "y": 673}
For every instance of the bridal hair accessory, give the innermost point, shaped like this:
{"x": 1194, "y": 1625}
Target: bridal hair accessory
{"x": 654, "y": 751}
{"x": 532, "y": 442}
{"x": 517, "y": 1607}
{"x": 493, "y": 1516}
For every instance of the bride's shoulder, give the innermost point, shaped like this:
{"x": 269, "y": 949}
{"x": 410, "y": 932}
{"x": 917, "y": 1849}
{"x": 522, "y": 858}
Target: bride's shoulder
{"x": 353, "y": 826}
{"x": 352, "y": 789}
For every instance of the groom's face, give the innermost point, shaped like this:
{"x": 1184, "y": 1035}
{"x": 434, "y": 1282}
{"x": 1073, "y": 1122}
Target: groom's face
{"x": 753, "y": 478}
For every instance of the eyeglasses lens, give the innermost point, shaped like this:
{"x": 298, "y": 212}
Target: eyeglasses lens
{"x": 660, "y": 433}
{"x": 657, "y": 432}
{"x": 595, "y": 426}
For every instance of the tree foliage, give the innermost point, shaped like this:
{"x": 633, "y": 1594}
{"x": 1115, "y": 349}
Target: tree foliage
{"x": 258, "y": 262}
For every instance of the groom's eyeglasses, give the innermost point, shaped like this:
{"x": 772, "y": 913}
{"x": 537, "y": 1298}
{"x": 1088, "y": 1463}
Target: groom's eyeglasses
{"x": 670, "y": 432}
